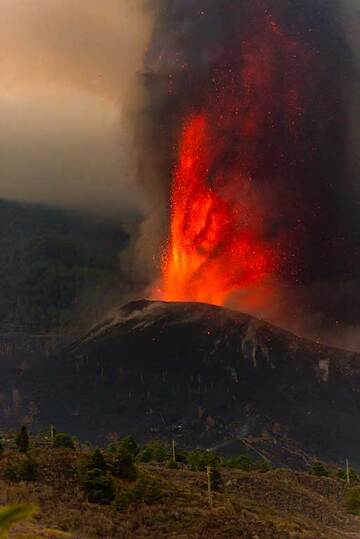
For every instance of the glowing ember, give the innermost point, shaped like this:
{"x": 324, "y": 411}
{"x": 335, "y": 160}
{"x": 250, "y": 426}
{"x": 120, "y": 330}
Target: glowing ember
{"x": 219, "y": 241}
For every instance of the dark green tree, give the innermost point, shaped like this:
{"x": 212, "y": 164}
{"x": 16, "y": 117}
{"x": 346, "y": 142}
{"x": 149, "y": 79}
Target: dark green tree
{"x": 98, "y": 462}
{"x": 22, "y": 440}
{"x": 154, "y": 451}
{"x": 98, "y": 487}
{"x": 129, "y": 443}
{"x": 199, "y": 460}
{"x": 319, "y": 469}
{"x": 123, "y": 466}
{"x": 28, "y": 470}
{"x": 64, "y": 440}
{"x": 146, "y": 490}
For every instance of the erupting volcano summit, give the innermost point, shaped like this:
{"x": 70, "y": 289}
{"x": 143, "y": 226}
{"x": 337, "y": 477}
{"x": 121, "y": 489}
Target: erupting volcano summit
{"x": 247, "y": 113}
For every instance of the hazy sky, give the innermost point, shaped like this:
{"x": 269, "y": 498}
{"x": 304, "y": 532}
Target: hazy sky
{"x": 67, "y": 67}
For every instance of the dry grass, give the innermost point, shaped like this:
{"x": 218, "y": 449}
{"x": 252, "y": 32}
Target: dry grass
{"x": 279, "y": 504}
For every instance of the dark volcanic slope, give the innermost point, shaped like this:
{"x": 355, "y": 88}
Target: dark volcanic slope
{"x": 207, "y": 375}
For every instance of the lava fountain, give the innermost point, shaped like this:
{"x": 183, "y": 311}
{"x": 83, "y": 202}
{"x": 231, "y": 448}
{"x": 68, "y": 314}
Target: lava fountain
{"x": 237, "y": 140}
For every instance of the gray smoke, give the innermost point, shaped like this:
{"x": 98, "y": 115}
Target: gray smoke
{"x": 67, "y": 69}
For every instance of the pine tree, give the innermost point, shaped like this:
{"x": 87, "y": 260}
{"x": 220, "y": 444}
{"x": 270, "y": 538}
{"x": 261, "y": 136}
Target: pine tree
{"x": 97, "y": 461}
{"x": 22, "y": 440}
{"x": 123, "y": 465}
{"x": 129, "y": 443}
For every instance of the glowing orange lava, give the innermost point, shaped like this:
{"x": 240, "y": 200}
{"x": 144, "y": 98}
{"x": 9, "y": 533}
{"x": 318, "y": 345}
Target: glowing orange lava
{"x": 212, "y": 250}
{"x": 218, "y": 239}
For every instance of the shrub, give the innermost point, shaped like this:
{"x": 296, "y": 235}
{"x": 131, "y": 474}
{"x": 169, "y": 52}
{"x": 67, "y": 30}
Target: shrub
{"x": 172, "y": 464}
{"x": 97, "y": 461}
{"x": 199, "y": 460}
{"x": 154, "y": 451}
{"x": 98, "y": 487}
{"x": 319, "y": 469}
{"x": 129, "y": 444}
{"x": 263, "y": 466}
{"x": 11, "y": 473}
{"x": 241, "y": 462}
{"x": 145, "y": 490}
{"x": 22, "y": 440}
{"x": 145, "y": 455}
{"x": 352, "y": 501}
{"x": 123, "y": 466}
{"x": 26, "y": 470}
{"x": 341, "y": 474}
{"x": 63, "y": 440}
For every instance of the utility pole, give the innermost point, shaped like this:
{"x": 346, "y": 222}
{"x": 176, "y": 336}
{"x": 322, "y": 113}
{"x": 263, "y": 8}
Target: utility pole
{"x": 52, "y": 431}
{"x": 347, "y": 472}
{"x": 173, "y": 451}
{"x": 209, "y": 487}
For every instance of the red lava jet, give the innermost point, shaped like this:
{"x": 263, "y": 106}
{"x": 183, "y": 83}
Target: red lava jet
{"x": 218, "y": 243}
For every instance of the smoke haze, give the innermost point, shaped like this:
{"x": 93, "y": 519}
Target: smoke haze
{"x": 67, "y": 68}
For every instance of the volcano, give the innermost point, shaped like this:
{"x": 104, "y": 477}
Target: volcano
{"x": 201, "y": 374}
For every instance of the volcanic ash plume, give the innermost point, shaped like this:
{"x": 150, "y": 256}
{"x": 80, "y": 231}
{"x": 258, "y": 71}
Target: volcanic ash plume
{"x": 246, "y": 121}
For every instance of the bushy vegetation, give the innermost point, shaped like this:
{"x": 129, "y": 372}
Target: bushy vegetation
{"x": 319, "y": 469}
{"x": 62, "y": 439}
{"x": 98, "y": 487}
{"x": 24, "y": 470}
{"x": 112, "y": 481}
{"x": 243, "y": 462}
{"x": 123, "y": 465}
{"x": 146, "y": 490}
{"x": 199, "y": 460}
{"x": 98, "y": 462}
{"x": 352, "y": 501}
{"x": 128, "y": 443}
{"x": 154, "y": 452}
{"x": 342, "y": 474}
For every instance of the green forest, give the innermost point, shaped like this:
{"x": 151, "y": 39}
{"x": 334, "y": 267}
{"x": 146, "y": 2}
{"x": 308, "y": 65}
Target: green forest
{"x": 55, "y": 265}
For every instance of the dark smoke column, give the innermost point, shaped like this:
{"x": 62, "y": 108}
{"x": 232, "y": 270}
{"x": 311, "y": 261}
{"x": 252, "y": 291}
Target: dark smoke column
{"x": 247, "y": 121}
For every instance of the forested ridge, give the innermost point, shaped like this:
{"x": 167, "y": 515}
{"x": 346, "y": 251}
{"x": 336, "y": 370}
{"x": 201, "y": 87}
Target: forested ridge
{"x": 54, "y": 263}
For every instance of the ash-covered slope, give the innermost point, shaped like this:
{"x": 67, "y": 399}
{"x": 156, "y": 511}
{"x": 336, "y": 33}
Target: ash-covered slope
{"x": 204, "y": 374}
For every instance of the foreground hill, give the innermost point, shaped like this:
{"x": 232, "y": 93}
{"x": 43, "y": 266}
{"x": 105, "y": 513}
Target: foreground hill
{"x": 201, "y": 374}
{"x": 278, "y": 504}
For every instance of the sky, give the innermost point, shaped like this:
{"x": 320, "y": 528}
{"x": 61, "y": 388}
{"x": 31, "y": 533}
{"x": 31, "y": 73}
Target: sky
{"x": 67, "y": 70}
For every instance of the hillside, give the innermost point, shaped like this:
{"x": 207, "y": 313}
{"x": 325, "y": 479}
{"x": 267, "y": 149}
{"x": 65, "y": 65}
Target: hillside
{"x": 54, "y": 265}
{"x": 159, "y": 502}
{"x": 202, "y": 374}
